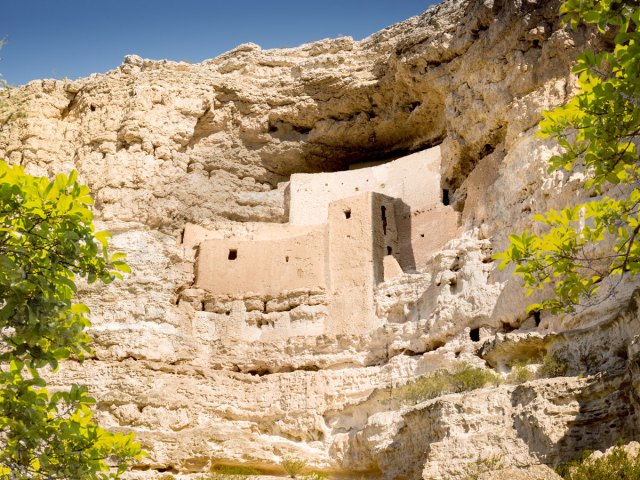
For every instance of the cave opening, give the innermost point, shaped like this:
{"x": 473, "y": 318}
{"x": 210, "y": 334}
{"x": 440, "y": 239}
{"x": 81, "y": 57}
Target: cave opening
{"x": 536, "y": 317}
{"x": 474, "y": 334}
{"x": 233, "y": 254}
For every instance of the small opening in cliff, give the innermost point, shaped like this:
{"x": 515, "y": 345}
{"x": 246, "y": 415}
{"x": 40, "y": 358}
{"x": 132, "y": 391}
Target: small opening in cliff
{"x": 445, "y": 196}
{"x": 488, "y": 149}
{"x": 347, "y": 213}
{"x": 92, "y": 108}
{"x": 233, "y": 254}
{"x": 383, "y": 211}
{"x": 536, "y": 317}
{"x": 389, "y": 250}
{"x": 507, "y": 327}
{"x": 260, "y": 372}
{"x": 286, "y": 259}
{"x": 474, "y": 334}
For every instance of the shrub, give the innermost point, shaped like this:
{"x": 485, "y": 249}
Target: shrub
{"x": 552, "y": 367}
{"x": 441, "y": 382}
{"x": 616, "y": 464}
{"x": 473, "y": 471}
{"x": 230, "y": 472}
{"x": 293, "y": 466}
{"x": 467, "y": 378}
{"x": 520, "y": 373}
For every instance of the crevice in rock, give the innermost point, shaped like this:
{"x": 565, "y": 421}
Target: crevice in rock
{"x": 72, "y": 102}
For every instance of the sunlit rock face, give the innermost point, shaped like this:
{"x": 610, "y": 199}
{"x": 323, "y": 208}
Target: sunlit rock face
{"x": 300, "y": 349}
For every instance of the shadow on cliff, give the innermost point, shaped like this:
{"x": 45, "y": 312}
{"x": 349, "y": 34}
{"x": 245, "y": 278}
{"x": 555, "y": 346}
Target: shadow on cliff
{"x": 596, "y": 411}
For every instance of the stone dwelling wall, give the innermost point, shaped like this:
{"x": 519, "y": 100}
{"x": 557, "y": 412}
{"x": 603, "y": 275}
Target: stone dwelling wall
{"x": 230, "y": 266}
{"x": 423, "y": 232}
{"x": 345, "y": 256}
{"x": 415, "y": 179}
{"x": 359, "y": 239}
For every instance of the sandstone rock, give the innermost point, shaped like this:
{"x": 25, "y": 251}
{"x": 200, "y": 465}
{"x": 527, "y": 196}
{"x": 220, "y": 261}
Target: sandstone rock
{"x": 535, "y": 472}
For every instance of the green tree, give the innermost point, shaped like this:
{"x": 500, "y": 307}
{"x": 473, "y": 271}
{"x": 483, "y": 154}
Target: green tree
{"x": 597, "y": 242}
{"x": 47, "y": 241}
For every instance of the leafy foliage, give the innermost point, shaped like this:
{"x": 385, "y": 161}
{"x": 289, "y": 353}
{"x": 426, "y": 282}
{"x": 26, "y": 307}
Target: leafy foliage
{"x": 552, "y": 367}
{"x": 548, "y": 366}
{"x": 483, "y": 466}
{"x": 520, "y": 373}
{"x": 47, "y": 239}
{"x": 440, "y": 382}
{"x": 230, "y": 472}
{"x": 598, "y": 130}
{"x": 616, "y": 464}
{"x": 293, "y": 466}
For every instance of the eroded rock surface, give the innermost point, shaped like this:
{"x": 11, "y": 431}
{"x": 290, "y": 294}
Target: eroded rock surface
{"x": 171, "y": 147}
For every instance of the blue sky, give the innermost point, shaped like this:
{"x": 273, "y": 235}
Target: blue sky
{"x": 73, "y": 38}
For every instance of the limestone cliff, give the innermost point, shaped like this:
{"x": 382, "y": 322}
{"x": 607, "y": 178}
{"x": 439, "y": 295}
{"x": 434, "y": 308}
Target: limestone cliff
{"x": 173, "y": 150}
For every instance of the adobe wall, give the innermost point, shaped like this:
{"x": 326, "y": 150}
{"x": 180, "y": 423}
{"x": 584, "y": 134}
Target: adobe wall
{"x": 360, "y": 236}
{"x": 231, "y": 266}
{"x": 194, "y": 235}
{"x": 414, "y": 178}
{"x": 424, "y": 232}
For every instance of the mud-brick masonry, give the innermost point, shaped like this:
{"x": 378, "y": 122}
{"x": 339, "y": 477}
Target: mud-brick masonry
{"x": 348, "y": 231}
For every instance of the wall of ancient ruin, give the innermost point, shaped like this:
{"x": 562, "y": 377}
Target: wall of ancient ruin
{"x": 361, "y": 232}
{"x": 268, "y": 266}
{"x": 415, "y": 179}
{"x": 423, "y": 232}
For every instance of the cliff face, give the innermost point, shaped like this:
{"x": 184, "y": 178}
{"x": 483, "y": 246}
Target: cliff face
{"x": 169, "y": 148}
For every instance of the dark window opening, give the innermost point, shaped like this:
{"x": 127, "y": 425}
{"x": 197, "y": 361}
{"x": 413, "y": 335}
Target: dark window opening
{"x": 506, "y": 327}
{"x": 422, "y": 235}
{"x": 389, "y": 250}
{"x": 347, "y": 213}
{"x": 488, "y": 149}
{"x": 536, "y": 317}
{"x": 92, "y": 108}
{"x": 286, "y": 259}
{"x": 445, "y": 196}
{"x": 474, "y": 335}
{"x": 383, "y": 210}
{"x": 233, "y": 254}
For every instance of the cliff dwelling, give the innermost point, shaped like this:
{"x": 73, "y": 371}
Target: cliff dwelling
{"x": 311, "y": 233}
{"x": 347, "y": 232}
